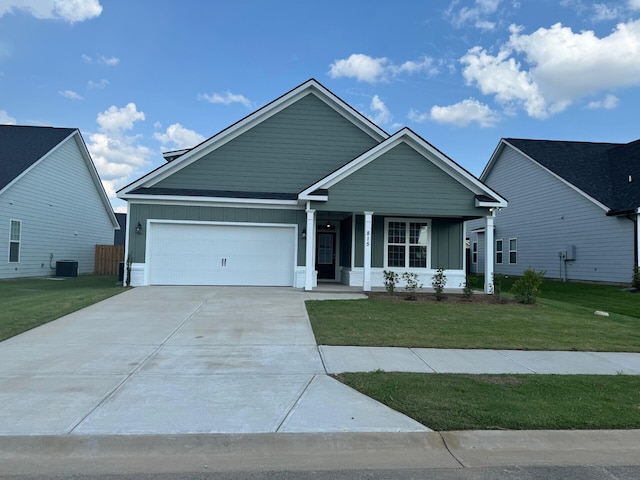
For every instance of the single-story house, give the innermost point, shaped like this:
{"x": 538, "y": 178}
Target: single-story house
{"x": 304, "y": 190}
{"x": 53, "y": 206}
{"x": 573, "y": 210}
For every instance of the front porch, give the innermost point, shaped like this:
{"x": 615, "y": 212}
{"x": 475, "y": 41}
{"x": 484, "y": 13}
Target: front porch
{"x": 350, "y": 251}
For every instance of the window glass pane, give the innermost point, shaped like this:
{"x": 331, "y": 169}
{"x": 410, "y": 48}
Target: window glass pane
{"x": 325, "y": 249}
{"x": 513, "y": 244}
{"x": 397, "y": 232}
{"x": 15, "y": 230}
{"x": 498, "y": 257}
{"x": 418, "y": 257}
{"x": 395, "y": 255}
{"x": 14, "y": 252}
{"x": 498, "y": 245}
{"x": 418, "y": 233}
{"x": 512, "y": 257}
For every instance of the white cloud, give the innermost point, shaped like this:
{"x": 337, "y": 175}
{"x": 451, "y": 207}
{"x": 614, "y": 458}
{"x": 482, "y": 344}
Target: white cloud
{"x": 98, "y": 84}
{"x": 634, "y": 4}
{"x": 108, "y": 61}
{"x": 548, "y": 70}
{"x": 359, "y": 66}
{"x": 6, "y": 119}
{"x": 116, "y": 119}
{"x": 68, "y": 10}
{"x": 372, "y": 70}
{"x": 609, "y": 102}
{"x": 226, "y": 98}
{"x": 603, "y": 12}
{"x": 475, "y": 15}
{"x": 381, "y": 114}
{"x": 464, "y": 113}
{"x": 416, "y": 116}
{"x": 176, "y": 136}
{"x": 70, "y": 94}
{"x": 117, "y": 155}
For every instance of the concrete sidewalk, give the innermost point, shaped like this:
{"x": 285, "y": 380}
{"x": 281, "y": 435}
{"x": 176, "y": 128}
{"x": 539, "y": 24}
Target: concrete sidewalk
{"x": 338, "y": 359}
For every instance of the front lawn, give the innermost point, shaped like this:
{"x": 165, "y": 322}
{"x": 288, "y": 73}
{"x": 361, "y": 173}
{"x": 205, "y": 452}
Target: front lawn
{"x": 29, "y": 302}
{"x": 516, "y": 402}
{"x": 562, "y": 320}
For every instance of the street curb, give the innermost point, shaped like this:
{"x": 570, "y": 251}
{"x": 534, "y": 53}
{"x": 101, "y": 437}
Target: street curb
{"x": 192, "y": 453}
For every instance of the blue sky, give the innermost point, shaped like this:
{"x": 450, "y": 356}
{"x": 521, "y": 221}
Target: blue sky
{"x": 140, "y": 77}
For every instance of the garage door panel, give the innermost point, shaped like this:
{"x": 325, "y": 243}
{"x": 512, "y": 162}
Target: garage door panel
{"x": 201, "y": 254}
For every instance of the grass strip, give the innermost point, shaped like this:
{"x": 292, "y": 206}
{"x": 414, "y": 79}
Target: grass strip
{"x": 27, "y": 303}
{"x": 515, "y": 402}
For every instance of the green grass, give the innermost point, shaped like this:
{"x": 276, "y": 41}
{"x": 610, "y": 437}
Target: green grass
{"x": 27, "y": 303}
{"x": 562, "y": 320}
{"x": 515, "y": 402}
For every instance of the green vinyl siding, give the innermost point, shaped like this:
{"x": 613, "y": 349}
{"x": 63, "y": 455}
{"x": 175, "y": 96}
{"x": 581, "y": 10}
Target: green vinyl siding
{"x": 345, "y": 242}
{"x": 446, "y": 240}
{"x": 285, "y": 153}
{"x": 142, "y": 212}
{"x": 402, "y": 182}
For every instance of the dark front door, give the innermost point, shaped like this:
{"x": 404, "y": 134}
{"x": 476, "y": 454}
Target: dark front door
{"x": 326, "y": 255}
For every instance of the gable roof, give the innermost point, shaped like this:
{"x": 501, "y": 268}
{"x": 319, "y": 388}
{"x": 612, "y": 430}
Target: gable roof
{"x": 485, "y": 196}
{"x": 310, "y": 87}
{"x": 599, "y": 170}
{"x": 22, "y": 146}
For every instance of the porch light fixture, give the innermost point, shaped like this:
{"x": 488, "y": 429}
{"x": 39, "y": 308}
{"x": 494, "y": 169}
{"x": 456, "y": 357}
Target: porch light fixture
{"x": 139, "y": 229}
{"x": 304, "y": 233}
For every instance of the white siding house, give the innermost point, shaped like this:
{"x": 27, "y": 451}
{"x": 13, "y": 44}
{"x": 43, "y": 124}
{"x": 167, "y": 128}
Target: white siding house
{"x": 565, "y": 217}
{"x": 52, "y": 203}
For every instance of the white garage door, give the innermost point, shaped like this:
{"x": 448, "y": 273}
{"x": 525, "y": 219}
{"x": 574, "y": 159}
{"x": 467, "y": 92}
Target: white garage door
{"x": 202, "y": 254}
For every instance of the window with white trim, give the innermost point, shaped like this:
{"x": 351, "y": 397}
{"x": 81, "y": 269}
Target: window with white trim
{"x": 15, "y": 233}
{"x": 406, "y": 243}
{"x": 499, "y": 251}
{"x": 474, "y": 252}
{"x": 513, "y": 250}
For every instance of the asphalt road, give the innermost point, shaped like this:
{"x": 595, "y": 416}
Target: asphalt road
{"x": 493, "y": 473}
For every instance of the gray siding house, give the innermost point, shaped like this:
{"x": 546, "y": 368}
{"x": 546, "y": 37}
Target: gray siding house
{"x": 52, "y": 203}
{"x": 573, "y": 210}
{"x": 304, "y": 190}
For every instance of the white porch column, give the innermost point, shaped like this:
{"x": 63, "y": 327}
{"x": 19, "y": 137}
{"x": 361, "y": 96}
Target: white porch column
{"x": 310, "y": 249}
{"x": 366, "y": 286}
{"x": 488, "y": 255}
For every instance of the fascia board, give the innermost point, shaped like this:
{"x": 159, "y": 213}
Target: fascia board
{"x": 494, "y": 156}
{"x": 96, "y": 177}
{"x": 205, "y": 200}
{"x": 250, "y": 121}
{"x": 214, "y": 202}
{"x": 555, "y": 175}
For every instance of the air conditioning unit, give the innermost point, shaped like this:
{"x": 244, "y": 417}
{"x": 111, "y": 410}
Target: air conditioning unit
{"x": 66, "y": 268}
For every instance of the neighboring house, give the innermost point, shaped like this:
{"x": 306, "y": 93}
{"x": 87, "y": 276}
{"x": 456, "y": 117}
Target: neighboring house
{"x": 119, "y": 235}
{"x": 305, "y": 189}
{"x": 52, "y": 203}
{"x": 573, "y": 209}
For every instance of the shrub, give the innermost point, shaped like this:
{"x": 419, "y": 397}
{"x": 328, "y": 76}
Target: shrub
{"x": 470, "y": 282}
{"x": 438, "y": 281}
{"x": 635, "y": 279}
{"x": 391, "y": 279}
{"x": 527, "y": 288}
{"x": 411, "y": 285}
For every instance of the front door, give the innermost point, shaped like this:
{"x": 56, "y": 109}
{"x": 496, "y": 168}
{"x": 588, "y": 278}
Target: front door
{"x": 326, "y": 255}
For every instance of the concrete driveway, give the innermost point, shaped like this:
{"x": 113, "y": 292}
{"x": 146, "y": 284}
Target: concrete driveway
{"x": 173, "y": 360}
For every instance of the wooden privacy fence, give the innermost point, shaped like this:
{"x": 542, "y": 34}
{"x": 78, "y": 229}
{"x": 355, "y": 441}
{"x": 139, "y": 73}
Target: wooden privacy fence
{"x": 107, "y": 259}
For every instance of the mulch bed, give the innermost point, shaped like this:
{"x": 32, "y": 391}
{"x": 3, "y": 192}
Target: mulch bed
{"x": 424, "y": 297}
